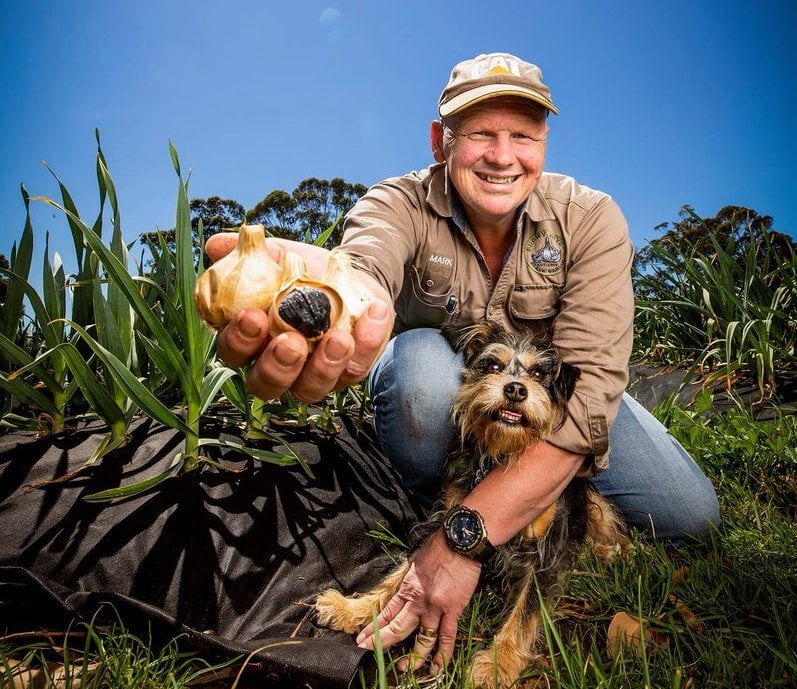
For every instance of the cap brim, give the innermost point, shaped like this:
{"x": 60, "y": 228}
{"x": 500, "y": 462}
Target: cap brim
{"x": 481, "y": 93}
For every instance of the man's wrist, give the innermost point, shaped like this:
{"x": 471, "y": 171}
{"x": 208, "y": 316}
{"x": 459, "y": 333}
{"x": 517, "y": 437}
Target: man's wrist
{"x": 465, "y": 533}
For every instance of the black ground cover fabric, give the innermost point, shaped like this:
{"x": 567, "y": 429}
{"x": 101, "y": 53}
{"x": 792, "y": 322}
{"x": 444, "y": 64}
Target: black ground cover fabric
{"x": 227, "y": 558}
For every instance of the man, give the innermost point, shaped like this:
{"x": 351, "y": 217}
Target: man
{"x": 484, "y": 233}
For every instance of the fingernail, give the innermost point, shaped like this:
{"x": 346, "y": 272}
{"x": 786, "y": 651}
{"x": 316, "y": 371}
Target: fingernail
{"x": 360, "y": 638}
{"x": 336, "y": 350}
{"x": 249, "y": 326}
{"x": 377, "y": 311}
{"x": 286, "y": 356}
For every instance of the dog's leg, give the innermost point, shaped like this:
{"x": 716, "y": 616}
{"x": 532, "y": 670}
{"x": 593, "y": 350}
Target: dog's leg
{"x": 513, "y": 647}
{"x": 606, "y": 532}
{"x": 351, "y": 613}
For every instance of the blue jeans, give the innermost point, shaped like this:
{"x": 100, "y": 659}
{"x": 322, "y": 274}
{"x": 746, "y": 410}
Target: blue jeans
{"x": 651, "y": 478}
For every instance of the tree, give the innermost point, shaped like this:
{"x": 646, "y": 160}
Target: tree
{"x": 693, "y": 235}
{"x": 308, "y": 210}
{"x": 216, "y": 215}
{"x": 303, "y": 214}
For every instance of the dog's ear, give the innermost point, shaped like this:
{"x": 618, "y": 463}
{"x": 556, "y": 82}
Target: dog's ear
{"x": 470, "y": 339}
{"x": 565, "y": 382}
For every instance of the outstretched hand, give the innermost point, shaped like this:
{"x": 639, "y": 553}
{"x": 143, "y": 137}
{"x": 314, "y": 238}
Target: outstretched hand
{"x": 437, "y": 587}
{"x": 284, "y": 362}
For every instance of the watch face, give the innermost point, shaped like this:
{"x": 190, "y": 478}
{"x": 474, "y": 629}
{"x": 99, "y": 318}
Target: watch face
{"x": 464, "y": 530}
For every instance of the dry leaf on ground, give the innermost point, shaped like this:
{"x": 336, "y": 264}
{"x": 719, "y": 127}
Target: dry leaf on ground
{"x": 680, "y": 575}
{"x": 687, "y": 614}
{"x": 632, "y": 632}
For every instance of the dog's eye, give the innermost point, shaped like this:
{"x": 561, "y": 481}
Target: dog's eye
{"x": 535, "y": 373}
{"x": 492, "y": 366}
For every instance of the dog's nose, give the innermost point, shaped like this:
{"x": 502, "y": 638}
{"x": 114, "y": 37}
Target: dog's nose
{"x": 515, "y": 392}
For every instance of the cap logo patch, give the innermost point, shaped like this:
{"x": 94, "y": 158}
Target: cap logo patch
{"x": 496, "y": 64}
{"x": 545, "y": 252}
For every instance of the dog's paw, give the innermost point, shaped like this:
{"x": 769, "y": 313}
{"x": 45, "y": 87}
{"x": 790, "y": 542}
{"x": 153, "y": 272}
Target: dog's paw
{"x": 336, "y": 611}
{"x": 609, "y": 552}
{"x": 489, "y": 672}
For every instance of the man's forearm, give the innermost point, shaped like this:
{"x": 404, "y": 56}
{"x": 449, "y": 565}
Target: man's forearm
{"x": 510, "y": 498}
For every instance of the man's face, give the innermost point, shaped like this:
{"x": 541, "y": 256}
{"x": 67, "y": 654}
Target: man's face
{"x": 495, "y": 152}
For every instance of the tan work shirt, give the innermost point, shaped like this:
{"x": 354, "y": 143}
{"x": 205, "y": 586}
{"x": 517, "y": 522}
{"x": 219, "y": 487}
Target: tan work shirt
{"x": 567, "y": 273}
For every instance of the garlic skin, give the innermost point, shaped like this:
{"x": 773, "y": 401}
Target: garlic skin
{"x": 247, "y": 277}
{"x": 311, "y": 306}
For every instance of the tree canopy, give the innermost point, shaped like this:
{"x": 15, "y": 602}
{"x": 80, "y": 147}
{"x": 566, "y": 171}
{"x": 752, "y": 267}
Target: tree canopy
{"x": 733, "y": 226}
{"x": 308, "y": 210}
{"x": 302, "y": 214}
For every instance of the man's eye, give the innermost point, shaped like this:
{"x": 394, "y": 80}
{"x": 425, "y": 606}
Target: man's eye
{"x": 478, "y": 136}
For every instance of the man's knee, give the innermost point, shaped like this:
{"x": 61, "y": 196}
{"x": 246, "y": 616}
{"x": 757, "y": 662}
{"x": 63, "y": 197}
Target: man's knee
{"x": 412, "y": 389}
{"x": 654, "y": 481}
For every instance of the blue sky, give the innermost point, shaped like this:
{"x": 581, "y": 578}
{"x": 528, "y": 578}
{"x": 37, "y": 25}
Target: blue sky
{"x": 661, "y": 103}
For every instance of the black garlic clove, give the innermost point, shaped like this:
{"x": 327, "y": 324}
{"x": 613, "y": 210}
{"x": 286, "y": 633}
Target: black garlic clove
{"x": 307, "y": 310}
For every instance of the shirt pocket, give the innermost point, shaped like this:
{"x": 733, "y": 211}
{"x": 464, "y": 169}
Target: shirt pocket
{"x": 433, "y": 298}
{"x": 534, "y": 306}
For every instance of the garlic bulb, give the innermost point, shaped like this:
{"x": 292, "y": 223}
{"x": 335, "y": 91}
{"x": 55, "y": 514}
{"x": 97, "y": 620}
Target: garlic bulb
{"x": 312, "y": 306}
{"x": 247, "y": 277}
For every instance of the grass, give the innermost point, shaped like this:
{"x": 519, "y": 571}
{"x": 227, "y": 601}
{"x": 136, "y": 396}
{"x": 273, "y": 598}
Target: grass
{"x": 719, "y": 613}
{"x": 728, "y": 313}
{"x": 112, "y": 659}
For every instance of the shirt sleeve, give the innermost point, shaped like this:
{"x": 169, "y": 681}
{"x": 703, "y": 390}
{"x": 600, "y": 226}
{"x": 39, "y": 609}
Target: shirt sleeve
{"x": 380, "y": 233}
{"x": 594, "y": 330}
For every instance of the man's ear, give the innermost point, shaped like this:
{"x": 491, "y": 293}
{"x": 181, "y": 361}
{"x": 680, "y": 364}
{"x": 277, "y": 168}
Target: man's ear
{"x": 436, "y": 136}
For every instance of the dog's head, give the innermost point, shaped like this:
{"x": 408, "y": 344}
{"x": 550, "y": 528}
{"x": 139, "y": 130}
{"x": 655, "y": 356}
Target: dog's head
{"x": 515, "y": 387}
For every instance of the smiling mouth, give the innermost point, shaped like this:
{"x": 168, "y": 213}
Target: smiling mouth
{"x": 497, "y": 180}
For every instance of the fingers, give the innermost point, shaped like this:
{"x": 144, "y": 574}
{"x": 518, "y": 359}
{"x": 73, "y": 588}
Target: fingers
{"x": 393, "y": 607}
{"x": 219, "y": 245}
{"x": 243, "y": 337}
{"x": 446, "y": 637}
{"x": 325, "y": 366}
{"x": 371, "y": 333}
{"x": 275, "y": 370}
{"x": 425, "y": 641}
{"x": 397, "y": 629}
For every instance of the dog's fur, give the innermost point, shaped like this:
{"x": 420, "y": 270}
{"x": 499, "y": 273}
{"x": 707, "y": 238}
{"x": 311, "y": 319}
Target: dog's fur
{"x": 514, "y": 391}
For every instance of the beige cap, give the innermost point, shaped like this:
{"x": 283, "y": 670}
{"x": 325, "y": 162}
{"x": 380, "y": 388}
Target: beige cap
{"x": 491, "y": 75}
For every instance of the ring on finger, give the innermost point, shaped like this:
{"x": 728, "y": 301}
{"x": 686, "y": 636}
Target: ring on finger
{"x": 430, "y": 632}
{"x": 424, "y": 642}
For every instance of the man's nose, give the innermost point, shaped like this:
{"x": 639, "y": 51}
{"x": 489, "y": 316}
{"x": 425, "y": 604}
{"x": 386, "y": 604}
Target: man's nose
{"x": 500, "y": 151}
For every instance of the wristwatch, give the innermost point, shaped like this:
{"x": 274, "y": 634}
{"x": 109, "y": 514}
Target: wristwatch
{"x": 465, "y": 533}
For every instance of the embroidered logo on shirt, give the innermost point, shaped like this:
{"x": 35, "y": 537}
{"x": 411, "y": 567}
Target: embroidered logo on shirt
{"x": 441, "y": 260}
{"x": 545, "y": 252}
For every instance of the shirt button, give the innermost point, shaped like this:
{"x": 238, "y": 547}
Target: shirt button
{"x": 430, "y": 283}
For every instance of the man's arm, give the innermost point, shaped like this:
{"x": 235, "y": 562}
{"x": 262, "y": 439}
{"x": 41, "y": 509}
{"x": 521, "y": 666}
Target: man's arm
{"x": 440, "y": 582}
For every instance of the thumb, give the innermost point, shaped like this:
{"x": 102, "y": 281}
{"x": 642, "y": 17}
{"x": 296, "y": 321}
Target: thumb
{"x": 220, "y": 244}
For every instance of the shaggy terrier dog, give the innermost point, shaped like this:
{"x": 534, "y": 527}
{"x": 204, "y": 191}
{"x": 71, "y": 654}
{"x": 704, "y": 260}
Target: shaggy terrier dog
{"x": 514, "y": 391}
